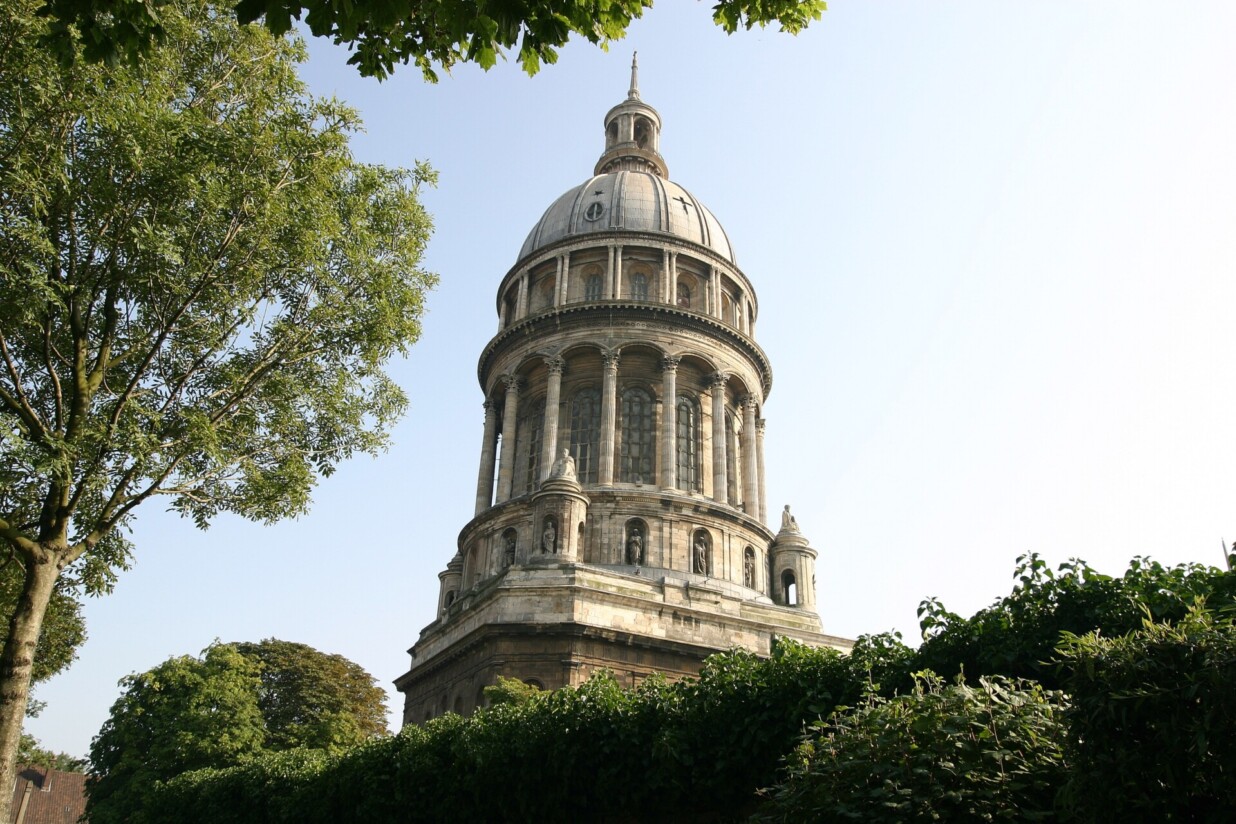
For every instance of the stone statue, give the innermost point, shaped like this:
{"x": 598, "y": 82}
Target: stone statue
{"x": 748, "y": 571}
{"x": 700, "y": 564}
{"x": 635, "y": 548}
{"x": 788, "y": 522}
{"x": 508, "y": 552}
{"x": 564, "y": 467}
{"x": 549, "y": 538}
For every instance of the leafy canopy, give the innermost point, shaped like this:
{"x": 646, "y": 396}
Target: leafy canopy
{"x": 428, "y": 33}
{"x": 231, "y": 705}
{"x": 199, "y": 291}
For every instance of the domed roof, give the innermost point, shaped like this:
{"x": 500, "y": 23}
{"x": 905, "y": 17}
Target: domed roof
{"x": 631, "y": 201}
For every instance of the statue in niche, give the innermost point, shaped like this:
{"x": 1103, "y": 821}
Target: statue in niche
{"x": 788, "y": 522}
{"x": 635, "y": 547}
{"x": 549, "y": 538}
{"x": 508, "y": 551}
{"x": 748, "y": 571}
{"x": 564, "y": 467}
{"x": 700, "y": 555}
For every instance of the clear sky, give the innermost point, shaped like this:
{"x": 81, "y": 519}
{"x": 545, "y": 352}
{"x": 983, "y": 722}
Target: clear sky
{"x": 994, "y": 247}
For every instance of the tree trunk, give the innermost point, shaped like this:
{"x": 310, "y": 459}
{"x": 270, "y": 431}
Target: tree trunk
{"x": 16, "y": 664}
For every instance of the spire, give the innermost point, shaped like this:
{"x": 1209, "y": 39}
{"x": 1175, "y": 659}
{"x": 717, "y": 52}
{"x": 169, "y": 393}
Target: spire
{"x": 633, "y": 92}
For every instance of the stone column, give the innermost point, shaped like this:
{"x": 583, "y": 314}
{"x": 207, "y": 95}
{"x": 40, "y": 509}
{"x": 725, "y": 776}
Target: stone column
{"x": 549, "y": 432}
{"x": 717, "y": 310}
{"x": 609, "y": 275}
{"x": 521, "y": 308}
{"x": 666, "y": 294}
{"x": 617, "y": 272}
{"x": 506, "y": 463}
{"x": 673, "y": 284}
{"x": 750, "y": 477}
{"x": 564, "y": 278}
{"x": 720, "y": 482}
{"x": 558, "y": 281}
{"x": 669, "y": 422}
{"x": 737, "y": 459}
{"x": 609, "y": 416}
{"x": 485, "y": 478}
{"x": 742, "y": 315}
{"x": 759, "y": 468}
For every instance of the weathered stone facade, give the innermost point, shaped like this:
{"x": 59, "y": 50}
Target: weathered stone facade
{"x": 620, "y": 508}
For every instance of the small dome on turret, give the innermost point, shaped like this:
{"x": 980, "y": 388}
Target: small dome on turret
{"x": 631, "y": 190}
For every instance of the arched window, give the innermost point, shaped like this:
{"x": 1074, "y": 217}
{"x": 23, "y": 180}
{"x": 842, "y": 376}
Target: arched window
{"x": 748, "y": 568}
{"x": 684, "y": 295}
{"x": 732, "y": 461}
{"x": 643, "y": 130}
{"x": 585, "y": 433}
{"x": 458, "y": 709}
{"x": 528, "y": 448}
{"x": 639, "y": 286}
{"x": 789, "y": 588}
{"x": 544, "y": 293}
{"x": 611, "y": 133}
{"x": 592, "y": 287}
{"x": 638, "y": 438}
{"x": 688, "y": 444}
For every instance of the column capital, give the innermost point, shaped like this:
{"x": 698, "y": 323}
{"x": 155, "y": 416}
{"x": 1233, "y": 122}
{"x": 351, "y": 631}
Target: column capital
{"x": 718, "y": 380}
{"x": 748, "y": 401}
{"x": 759, "y": 426}
{"x": 669, "y": 363}
{"x": 512, "y": 383}
{"x": 610, "y": 358}
{"x": 555, "y": 364}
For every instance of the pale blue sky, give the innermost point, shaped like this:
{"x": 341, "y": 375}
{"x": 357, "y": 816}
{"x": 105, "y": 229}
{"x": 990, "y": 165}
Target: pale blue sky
{"x": 994, "y": 253}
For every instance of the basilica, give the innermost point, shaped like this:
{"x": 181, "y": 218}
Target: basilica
{"x": 620, "y": 519}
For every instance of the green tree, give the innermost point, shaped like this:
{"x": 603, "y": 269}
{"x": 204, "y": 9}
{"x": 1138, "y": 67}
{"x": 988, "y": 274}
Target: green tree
{"x": 314, "y": 699}
{"x": 234, "y": 703}
{"x": 429, "y": 33}
{"x": 199, "y": 288}
{"x": 185, "y": 714}
{"x": 32, "y": 752}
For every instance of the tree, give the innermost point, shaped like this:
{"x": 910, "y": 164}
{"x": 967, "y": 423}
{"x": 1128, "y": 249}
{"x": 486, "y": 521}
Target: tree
{"x": 32, "y": 752}
{"x": 185, "y": 714}
{"x": 233, "y": 704}
{"x": 312, "y": 699}
{"x": 199, "y": 288}
{"x": 436, "y": 33}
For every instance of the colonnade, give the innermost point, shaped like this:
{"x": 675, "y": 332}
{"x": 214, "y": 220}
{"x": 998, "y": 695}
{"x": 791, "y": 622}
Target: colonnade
{"x": 749, "y": 483}
{"x": 713, "y": 304}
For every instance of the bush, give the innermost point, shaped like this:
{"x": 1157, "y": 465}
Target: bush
{"x": 992, "y": 752}
{"x": 1154, "y": 723}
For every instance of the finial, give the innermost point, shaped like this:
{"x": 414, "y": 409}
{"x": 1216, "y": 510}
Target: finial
{"x": 633, "y": 92}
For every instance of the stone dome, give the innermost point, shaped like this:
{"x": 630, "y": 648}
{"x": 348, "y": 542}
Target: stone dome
{"x": 629, "y": 201}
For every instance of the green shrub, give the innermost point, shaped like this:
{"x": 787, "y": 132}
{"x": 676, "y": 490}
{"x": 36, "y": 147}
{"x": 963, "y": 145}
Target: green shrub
{"x": 1153, "y": 723}
{"x": 991, "y": 752}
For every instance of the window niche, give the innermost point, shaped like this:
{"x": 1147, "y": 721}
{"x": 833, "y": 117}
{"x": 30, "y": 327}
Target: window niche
{"x": 748, "y": 568}
{"x": 549, "y": 535}
{"x": 789, "y": 588}
{"x": 683, "y": 298}
{"x": 701, "y": 552}
{"x": 635, "y": 545}
{"x": 510, "y": 541}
